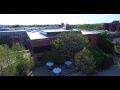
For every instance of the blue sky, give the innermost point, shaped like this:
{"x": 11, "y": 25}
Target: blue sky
{"x": 30, "y": 19}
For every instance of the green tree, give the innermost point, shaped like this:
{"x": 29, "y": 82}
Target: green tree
{"x": 3, "y": 41}
{"x": 103, "y": 60}
{"x": 117, "y": 48}
{"x": 24, "y": 66}
{"x": 84, "y": 61}
{"x": 89, "y": 26}
{"x": 6, "y": 61}
{"x": 69, "y": 43}
{"x": 117, "y": 51}
{"x": 17, "y": 47}
{"x": 57, "y": 57}
{"x": 15, "y": 60}
{"x": 105, "y": 42}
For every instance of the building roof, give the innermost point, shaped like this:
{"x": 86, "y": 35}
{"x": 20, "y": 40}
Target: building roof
{"x": 42, "y": 34}
{"x": 57, "y": 30}
{"x": 35, "y": 35}
{"x": 85, "y": 32}
{"x": 14, "y": 31}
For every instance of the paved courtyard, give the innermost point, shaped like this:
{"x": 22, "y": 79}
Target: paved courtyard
{"x": 44, "y": 71}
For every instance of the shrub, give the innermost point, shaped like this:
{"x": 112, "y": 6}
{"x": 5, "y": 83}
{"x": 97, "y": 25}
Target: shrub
{"x": 102, "y": 59}
{"x": 84, "y": 61}
{"x": 117, "y": 48}
{"x": 70, "y": 43}
{"x": 105, "y": 43}
{"x": 56, "y": 57}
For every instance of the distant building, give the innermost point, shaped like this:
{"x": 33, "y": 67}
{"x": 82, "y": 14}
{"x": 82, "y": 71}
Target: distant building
{"x": 4, "y": 27}
{"x": 13, "y": 36}
{"x": 65, "y": 26}
{"x": 114, "y": 26}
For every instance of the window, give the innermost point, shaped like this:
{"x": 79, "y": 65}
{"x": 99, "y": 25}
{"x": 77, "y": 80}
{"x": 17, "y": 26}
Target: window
{"x": 41, "y": 49}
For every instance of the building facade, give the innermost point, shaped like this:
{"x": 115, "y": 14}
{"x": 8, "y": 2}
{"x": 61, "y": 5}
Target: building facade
{"x": 40, "y": 41}
{"x": 15, "y": 37}
{"x": 114, "y": 26}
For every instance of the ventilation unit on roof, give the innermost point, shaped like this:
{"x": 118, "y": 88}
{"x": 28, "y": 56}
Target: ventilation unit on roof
{"x": 42, "y": 32}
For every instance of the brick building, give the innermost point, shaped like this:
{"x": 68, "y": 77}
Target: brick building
{"x": 114, "y": 26}
{"x": 13, "y": 36}
{"x": 40, "y": 41}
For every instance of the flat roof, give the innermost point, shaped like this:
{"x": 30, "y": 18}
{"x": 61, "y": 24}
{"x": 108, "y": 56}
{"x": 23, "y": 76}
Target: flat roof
{"x": 14, "y": 31}
{"x": 57, "y": 30}
{"x": 35, "y": 35}
{"x": 85, "y": 32}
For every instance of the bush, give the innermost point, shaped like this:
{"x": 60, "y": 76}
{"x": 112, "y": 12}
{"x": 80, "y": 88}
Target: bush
{"x": 84, "y": 61}
{"x": 117, "y": 48}
{"x": 102, "y": 59}
{"x": 56, "y": 57}
{"x": 105, "y": 43}
{"x": 70, "y": 43}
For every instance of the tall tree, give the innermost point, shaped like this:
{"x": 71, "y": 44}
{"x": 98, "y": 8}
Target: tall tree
{"x": 3, "y": 41}
{"x": 117, "y": 48}
{"x": 69, "y": 43}
{"x": 105, "y": 42}
{"x": 84, "y": 61}
{"x": 15, "y": 59}
{"x": 117, "y": 51}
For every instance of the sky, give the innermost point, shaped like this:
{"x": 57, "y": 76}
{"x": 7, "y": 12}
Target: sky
{"x": 32, "y": 19}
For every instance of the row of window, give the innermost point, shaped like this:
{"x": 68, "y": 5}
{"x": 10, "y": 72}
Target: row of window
{"x": 41, "y": 49}
{"x": 12, "y": 36}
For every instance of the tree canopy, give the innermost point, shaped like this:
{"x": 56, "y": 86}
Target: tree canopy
{"x": 79, "y": 26}
{"x": 84, "y": 61}
{"x": 105, "y": 42}
{"x": 117, "y": 48}
{"x": 89, "y": 26}
{"x": 70, "y": 42}
{"x": 14, "y": 61}
{"x": 3, "y": 41}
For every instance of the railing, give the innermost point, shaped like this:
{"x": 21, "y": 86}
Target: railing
{"x": 30, "y": 74}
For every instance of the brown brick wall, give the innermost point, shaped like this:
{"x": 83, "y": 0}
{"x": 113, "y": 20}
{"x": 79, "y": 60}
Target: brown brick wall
{"x": 41, "y": 42}
{"x": 112, "y": 26}
{"x": 94, "y": 39}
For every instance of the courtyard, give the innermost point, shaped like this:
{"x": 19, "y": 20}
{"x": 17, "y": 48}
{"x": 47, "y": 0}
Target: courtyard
{"x": 114, "y": 70}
